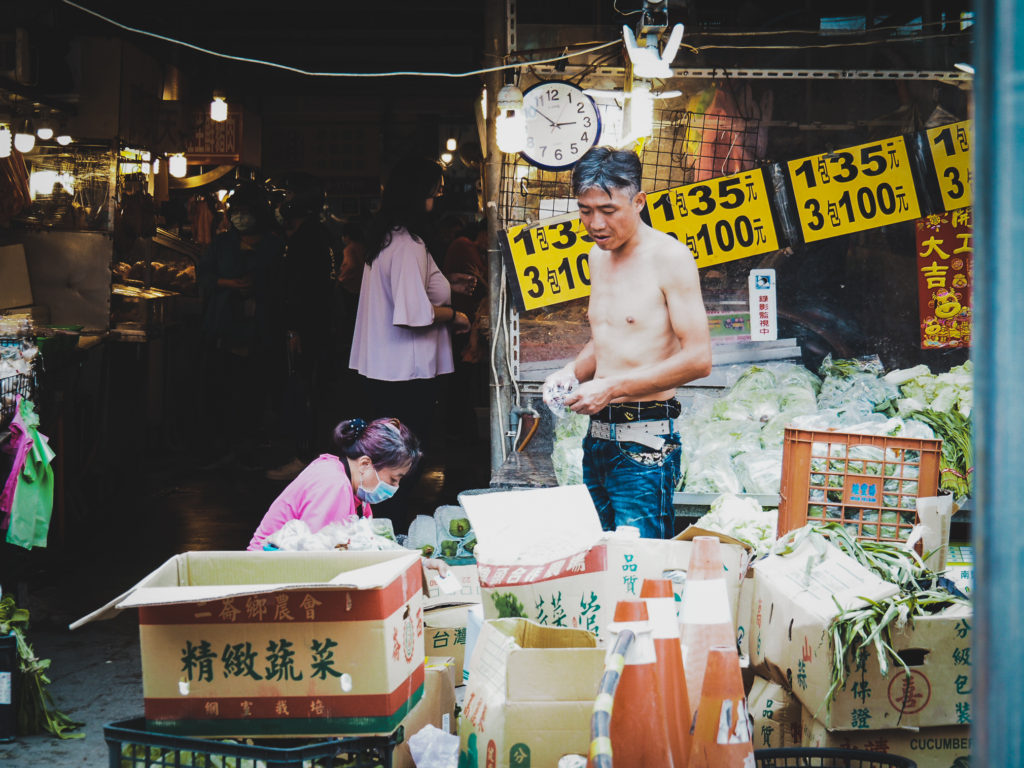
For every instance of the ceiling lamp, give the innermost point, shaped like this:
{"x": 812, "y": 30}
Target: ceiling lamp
{"x": 177, "y": 165}
{"x": 5, "y": 141}
{"x": 25, "y": 139}
{"x": 63, "y": 138}
{"x": 219, "y": 107}
{"x": 511, "y": 122}
{"x": 446, "y": 157}
{"x": 646, "y": 60}
{"x": 44, "y": 128}
{"x": 640, "y": 111}
{"x": 451, "y": 145}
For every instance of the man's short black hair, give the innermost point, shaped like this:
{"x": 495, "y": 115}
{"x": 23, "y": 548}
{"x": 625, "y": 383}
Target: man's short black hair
{"x": 607, "y": 169}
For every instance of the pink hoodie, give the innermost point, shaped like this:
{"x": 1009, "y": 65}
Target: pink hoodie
{"x": 321, "y": 494}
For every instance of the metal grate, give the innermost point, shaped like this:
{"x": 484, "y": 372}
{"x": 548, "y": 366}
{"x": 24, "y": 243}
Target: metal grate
{"x": 686, "y": 147}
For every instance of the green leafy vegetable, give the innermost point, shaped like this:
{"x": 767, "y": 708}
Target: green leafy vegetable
{"x": 37, "y": 712}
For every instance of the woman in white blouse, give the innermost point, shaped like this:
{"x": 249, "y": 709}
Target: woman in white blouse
{"x": 402, "y": 339}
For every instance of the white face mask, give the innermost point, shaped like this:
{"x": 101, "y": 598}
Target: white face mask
{"x": 382, "y": 491}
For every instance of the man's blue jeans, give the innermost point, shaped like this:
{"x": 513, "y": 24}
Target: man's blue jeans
{"x": 627, "y": 491}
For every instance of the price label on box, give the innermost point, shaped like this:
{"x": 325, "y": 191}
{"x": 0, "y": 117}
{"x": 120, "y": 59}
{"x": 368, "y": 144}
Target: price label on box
{"x": 853, "y": 189}
{"x": 719, "y": 220}
{"x": 550, "y": 263}
{"x": 950, "y": 147}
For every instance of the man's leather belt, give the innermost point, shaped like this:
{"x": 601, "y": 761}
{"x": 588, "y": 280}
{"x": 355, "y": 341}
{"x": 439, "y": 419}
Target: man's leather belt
{"x": 647, "y": 433}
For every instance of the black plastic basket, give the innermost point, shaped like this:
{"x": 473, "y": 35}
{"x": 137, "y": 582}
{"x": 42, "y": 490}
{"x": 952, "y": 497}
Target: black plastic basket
{"x": 132, "y": 746}
{"x": 821, "y": 757}
{"x": 10, "y": 388}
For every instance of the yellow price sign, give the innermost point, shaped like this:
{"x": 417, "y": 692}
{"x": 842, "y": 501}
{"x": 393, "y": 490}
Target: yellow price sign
{"x": 950, "y": 147}
{"x": 550, "y": 262}
{"x": 853, "y": 189}
{"x": 720, "y": 220}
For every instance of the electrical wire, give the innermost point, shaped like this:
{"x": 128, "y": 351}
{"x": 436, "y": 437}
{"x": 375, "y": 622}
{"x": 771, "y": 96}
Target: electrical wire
{"x": 300, "y": 71}
{"x": 615, "y": 5}
{"x": 853, "y": 44}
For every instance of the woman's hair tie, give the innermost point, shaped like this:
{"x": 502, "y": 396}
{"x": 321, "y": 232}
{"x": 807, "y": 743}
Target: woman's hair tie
{"x": 358, "y": 427}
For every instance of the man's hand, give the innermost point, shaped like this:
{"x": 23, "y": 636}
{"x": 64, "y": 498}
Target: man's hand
{"x": 590, "y": 397}
{"x": 460, "y": 322}
{"x": 558, "y": 384}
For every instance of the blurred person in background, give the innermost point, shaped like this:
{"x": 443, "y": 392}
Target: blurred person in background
{"x": 305, "y": 318}
{"x": 404, "y": 324}
{"x": 236, "y": 276}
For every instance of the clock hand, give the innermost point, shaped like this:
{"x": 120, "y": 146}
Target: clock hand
{"x": 546, "y": 117}
{"x": 559, "y": 125}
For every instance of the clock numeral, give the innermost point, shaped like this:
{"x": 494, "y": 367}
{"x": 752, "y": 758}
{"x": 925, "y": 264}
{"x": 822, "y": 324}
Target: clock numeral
{"x": 552, "y": 94}
{"x": 529, "y": 142}
{"x": 558, "y": 154}
{"x": 579, "y": 109}
{"x": 574, "y": 148}
{"x": 585, "y": 136}
{"x": 586, "y": 120}
{"x": 543, "y": 150}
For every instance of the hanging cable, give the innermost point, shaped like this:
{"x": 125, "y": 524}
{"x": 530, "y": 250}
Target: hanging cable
{"x": 300, "y": 71}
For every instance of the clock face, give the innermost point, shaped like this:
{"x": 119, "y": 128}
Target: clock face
{"x": 562, "y": 123}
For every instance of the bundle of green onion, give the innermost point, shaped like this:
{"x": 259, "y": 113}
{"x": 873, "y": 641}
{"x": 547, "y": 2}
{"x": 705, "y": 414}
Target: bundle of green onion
{"x": 37, "y": 712}
{"x": 856, "y": 632}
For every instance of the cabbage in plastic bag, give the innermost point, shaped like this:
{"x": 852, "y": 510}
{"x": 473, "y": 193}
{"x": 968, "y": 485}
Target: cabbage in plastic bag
{"x": 759, "y": 471}
{"x": 567, "y": 453}
{"x": 712, "y": 473}
{"x": 729, "y": 437}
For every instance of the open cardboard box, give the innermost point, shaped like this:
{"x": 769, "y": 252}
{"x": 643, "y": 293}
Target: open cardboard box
{"x": 798, "y": 595}
{"x": 530, "y": 695}
{"x": 279, "y": 643}
{"x": 542, "y": 555}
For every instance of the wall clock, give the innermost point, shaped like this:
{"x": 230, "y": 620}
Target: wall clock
{"x": 562, "y": 123}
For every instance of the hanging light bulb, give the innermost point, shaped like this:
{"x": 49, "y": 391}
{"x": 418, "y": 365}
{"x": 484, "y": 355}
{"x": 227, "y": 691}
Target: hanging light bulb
{"x": 5, "y": 141}
{"x": 446, "y": 157}
{"x": 156, "y": 163}
{"x": 451, "y": 145}
{"x": 63, "y": 139}
{"x": 177, "y": 165}
{"x": 25, "y": 139}
{"x": 44, "y": 129}
{"x": 219, "y": 107}
{"x": 511, "y": 124}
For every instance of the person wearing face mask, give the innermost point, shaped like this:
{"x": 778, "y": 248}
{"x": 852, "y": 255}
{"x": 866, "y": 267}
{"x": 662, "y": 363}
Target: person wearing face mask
{"x": 372, "y": 458}
{"x": 236, "y": 275}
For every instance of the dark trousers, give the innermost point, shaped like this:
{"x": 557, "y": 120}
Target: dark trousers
{"x": 414, "y": 403}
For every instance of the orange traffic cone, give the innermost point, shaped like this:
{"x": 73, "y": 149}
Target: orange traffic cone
{"x": 706, "y": 619}
{"x": 722, "y": 731}
{"x": 661, "y": 607}
{"x": 639, "y": 734}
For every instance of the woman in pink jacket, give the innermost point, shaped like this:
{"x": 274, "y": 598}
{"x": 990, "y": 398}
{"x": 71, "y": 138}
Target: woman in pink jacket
{"x": 372, "y": 459}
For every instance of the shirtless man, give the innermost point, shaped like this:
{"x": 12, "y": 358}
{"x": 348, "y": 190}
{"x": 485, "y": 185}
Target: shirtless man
{"x": 649, "y": 336}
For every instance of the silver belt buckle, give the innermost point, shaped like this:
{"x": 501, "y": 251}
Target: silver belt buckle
{"x": 639, "y": 432}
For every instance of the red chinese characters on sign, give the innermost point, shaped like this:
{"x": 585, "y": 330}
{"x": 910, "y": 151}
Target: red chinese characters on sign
{"x": 944, "y": 263}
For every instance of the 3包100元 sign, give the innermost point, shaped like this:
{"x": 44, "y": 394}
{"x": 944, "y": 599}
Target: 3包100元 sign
{"x": 719, "y": 220}
{"x": 850, "y": 190}
{"x": 550, "y": 263}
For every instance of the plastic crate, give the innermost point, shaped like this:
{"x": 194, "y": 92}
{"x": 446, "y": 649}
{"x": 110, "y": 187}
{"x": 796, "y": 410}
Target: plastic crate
{"x": 132, "y": 746}
{"x": 868, "y": 483}
{"x": 821, "y": 757}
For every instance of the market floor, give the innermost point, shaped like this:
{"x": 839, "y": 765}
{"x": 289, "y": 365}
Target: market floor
{"x": 172, "y": 506}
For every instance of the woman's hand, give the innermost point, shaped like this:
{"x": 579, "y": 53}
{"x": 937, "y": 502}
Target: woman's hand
{"x": 434, "y": 564}
{"x": 460, "y": 322}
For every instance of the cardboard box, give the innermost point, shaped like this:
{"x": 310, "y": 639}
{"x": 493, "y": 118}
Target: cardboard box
{"x": 797, "y": 597}
{"x": 776, "y": 714}
{"x": 444, "y": 634}
{"x": 542, "y": 555}
{"x": 279, "y": 643}
{"x": 530, "y": 695}
{"x": 436, "y": 708}
{"x": 947, "y": 747}
{"x": 467, "y": 595}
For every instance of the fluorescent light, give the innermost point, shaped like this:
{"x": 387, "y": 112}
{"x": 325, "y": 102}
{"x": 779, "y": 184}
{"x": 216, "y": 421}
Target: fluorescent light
{"x": 218, "y": 108}
{"x": 177, "y": 165}
{"x": 5, "y": 141}
{"x": 963, "y": 66}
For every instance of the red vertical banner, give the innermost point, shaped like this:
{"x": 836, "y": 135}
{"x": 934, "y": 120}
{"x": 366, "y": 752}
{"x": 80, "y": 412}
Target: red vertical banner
{"x": 945, "y": 259}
